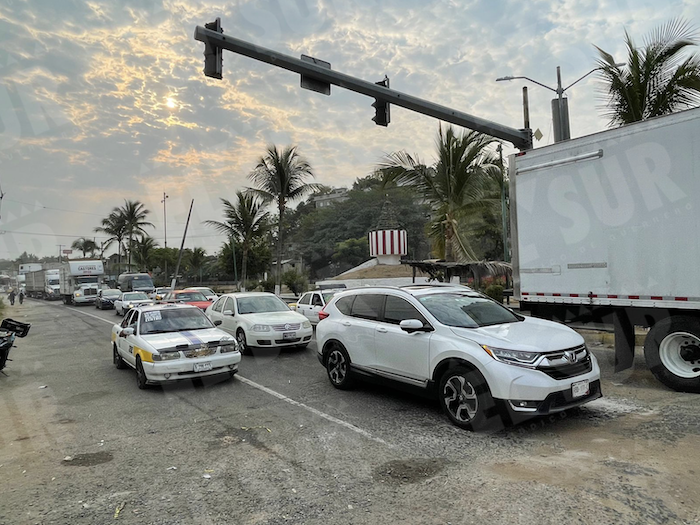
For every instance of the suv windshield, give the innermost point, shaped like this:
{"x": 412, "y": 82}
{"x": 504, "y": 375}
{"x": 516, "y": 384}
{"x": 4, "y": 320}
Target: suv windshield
{"x": 173, "y": 320}
{"x": 466, "y": 310}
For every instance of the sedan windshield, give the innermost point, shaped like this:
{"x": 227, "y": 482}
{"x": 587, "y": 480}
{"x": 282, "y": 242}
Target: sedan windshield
{"x": 256, "y": 305}
{"x": 173, "y": 320}
{"x": 467, "y": 311}
{"x": 136, "y": 296}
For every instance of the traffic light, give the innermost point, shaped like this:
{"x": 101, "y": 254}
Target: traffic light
{"x": 213, "y": 55}
{"x": 382, "y": 116}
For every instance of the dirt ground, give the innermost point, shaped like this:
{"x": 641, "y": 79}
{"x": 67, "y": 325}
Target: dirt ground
{"x": 80, "y": 444}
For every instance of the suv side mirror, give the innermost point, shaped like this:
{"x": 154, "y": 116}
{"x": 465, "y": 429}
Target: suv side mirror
{"x": 414, "y": 325}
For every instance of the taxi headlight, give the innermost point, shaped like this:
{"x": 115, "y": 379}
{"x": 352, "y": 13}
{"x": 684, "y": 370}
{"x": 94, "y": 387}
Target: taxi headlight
{"x": 166, "y": 356}
{"x": 261, "y": 328}
{"x": 226, "y": 347}
{"x": 306, "y": 324}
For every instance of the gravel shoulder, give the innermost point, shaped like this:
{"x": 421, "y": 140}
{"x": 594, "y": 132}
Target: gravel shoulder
{"x": 90, "y": 446}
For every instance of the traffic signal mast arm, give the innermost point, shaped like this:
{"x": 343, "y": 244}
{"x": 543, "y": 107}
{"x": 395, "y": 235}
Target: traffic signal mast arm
{"x": 520, "y": 138}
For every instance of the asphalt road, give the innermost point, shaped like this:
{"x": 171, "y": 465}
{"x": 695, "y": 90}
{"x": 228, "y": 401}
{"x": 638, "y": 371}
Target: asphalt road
{"x": 79, "y": 443}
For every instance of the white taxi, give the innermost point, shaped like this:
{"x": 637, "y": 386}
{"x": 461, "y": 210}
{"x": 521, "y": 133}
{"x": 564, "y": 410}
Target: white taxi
{"x": 260, "y": 319}
{"x": 172, "y": 342}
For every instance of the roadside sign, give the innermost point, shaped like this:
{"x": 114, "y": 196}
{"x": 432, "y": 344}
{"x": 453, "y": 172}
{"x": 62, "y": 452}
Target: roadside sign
{"x": 67, "y": 252}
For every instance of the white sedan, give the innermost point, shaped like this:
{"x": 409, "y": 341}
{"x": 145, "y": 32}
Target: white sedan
{"x": 260, "y": 319}
{"x": 171, "y": 342}
{"x": 128, "y": 300}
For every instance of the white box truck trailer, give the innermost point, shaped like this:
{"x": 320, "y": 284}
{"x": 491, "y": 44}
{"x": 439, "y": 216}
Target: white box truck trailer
{"x": 43, "y": 284}
{"x": 606, "y": 228}
{"x": 80, "y": 281}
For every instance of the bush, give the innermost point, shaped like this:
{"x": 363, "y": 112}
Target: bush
{"x": 296, "y": 282}
{"x": 495, "y": 292}
{"x": 268, "y": 285}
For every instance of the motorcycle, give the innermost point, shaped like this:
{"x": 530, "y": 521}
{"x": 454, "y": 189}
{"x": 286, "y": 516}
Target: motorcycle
{"x": 9, "y": 330}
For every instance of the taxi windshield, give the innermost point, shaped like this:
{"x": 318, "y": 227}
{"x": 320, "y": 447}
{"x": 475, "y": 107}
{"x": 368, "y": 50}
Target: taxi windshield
{"x": 173, "y": 320}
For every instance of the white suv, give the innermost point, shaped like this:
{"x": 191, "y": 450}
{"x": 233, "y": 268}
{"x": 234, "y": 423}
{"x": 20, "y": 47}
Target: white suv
{"x": 488, "y": 364}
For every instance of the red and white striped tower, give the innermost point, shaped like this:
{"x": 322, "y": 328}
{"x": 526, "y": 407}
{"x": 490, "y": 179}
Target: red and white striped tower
{"x": 387, "y": 242}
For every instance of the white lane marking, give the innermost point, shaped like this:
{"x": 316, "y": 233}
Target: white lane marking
{"x": 325, "y": 416}
{"x": 284, "y": 398}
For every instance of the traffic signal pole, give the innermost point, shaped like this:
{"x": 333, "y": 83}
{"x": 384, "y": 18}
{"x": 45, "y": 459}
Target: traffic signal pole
{"x": 309, "y": 70}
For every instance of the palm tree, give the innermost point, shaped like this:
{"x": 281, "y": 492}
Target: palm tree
{"x": 281, "y": 177}
{"x": 196, "y": 260}
{"x": 458, "y": 186}
{"x": 656, "y": 80}
{"x": 84, "y": 245}
{"x": 134, "y": 214}
{"x": 143, "y": 252}
{"x": 244, "y": 221}
{"x": 115, "y": 227}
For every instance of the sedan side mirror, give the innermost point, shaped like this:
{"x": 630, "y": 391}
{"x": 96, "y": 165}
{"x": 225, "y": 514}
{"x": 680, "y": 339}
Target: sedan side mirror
{"x": 227, "y": 312}
{"x": 414, "y": 325}
{"x": 218, "y": 322}
{"x": 126, "y": 332}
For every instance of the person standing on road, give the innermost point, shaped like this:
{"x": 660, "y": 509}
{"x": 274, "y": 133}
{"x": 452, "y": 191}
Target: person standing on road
{"x": 21, "y": 296}
{"x": 11, "y": 296}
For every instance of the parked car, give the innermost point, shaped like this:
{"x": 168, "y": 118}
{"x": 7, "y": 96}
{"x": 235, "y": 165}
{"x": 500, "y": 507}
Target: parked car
{"x": 192, "y": 297}
{"x": 171, "y": 342}
{"x": 210, "y": 294}
{"x": 313, "y": 302}
{"x": 159, "y": 293}
{"x": 129, "y": 300}
{"x": 260, "y": 319}
{"x": 474, "y": 353}
{"x": 106, "y": 297}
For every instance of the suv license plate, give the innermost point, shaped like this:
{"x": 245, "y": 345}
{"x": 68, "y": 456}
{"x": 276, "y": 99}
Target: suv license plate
{"x": 202, "y": 367}
{"x": 580, "y": 388}
{"x": 289, "y": 335}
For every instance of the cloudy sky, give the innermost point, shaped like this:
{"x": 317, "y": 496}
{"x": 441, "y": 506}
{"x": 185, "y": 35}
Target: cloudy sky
{"x": 102, "y": 101}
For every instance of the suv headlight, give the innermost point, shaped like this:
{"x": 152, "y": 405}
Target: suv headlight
{"x": 513, "y": 357}
{"x": 261, "y": 328}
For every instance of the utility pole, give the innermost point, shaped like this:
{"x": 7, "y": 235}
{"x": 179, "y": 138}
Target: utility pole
{"x": 182, "y": 247}
{"x": 60, "y": 249}
{"x": 165, "y": 236}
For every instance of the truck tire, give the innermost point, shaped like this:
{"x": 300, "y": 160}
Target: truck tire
{"x": 672, "y": 352}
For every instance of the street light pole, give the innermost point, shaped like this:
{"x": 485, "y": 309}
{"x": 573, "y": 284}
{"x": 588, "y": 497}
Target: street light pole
{"x": 560, "y": 107}
{"x": 165, "y": 236}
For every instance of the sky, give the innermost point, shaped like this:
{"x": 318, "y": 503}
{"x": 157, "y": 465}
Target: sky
{"x": 102, "y": 101}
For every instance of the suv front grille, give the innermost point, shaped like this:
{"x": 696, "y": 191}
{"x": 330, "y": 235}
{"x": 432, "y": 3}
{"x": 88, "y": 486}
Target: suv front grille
{"x": 557, "y": 366}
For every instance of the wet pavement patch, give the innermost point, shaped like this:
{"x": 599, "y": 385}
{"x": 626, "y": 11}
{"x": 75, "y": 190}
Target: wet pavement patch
{"x": 85, "y": 397}
{"x": 409, "y": 470}
{"x": 88, "y": 460}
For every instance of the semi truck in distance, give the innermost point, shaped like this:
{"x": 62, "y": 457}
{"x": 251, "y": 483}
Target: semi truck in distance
{"x": 43, "y": 284}
{"x": 606, "y": 228}
{"x": 80, "y": 281}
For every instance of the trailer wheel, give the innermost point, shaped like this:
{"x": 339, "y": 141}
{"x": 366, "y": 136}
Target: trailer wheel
{"x": 672, "y": 352}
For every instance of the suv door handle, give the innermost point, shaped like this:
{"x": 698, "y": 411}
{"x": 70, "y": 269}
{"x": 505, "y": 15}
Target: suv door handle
{"x": 347, "y": 323}
{"x": 382, "y": 330}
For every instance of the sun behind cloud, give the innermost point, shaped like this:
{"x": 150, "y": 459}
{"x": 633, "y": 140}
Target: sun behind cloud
{"x": 171, "y": 102}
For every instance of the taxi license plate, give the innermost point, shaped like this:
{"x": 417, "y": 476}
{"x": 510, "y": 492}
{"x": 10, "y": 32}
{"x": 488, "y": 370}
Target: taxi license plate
{"x": 580, "y": 388}
{"x": 289, "y": 335}
{"x": 202, "y": 367}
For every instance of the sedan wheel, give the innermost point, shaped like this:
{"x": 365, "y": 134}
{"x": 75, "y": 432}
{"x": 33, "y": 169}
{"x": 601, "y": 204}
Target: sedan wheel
{"x": 141, "y": 380}
{"x": 338, "y": 367}
{"x": 240, "y": 337}
{"x": 117, "y": 359}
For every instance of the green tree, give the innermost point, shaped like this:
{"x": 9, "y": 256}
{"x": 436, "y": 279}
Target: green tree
{"x": 134, "y": 215}
{"x": 245, "y": 221}
{"x": 458, "y": 187}
{"x": 295, "y": 281}
{"x": 351, "y": 251}
{"x": 656, "y": 80}
{"x": 143, "y": 249}
{"x": 85, "y": 245}
{"x": 196, "y": 259}
{"x": 281, "y": 177}
{"x": 114, "y": 226}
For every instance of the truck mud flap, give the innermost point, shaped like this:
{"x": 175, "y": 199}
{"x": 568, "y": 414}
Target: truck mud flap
{"x": 624, "y": 341}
